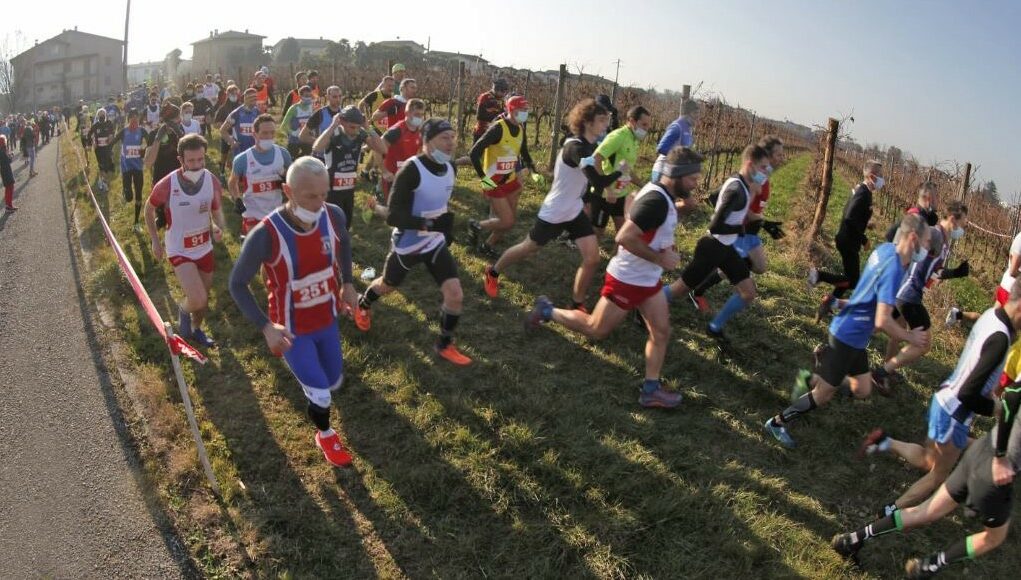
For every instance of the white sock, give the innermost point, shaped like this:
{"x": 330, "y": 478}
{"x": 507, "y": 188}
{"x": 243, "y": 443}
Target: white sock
{"x": 328, "y": 433}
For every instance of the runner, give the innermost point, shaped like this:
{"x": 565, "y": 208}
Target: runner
{"x": 645, "y": 250}
{"x": 982, "y": 481}
{"x": 870, "y": 308}
{"x": 391, "y": 110}
{"x": 202, "y": 112}
{"x": 399, "y": 71}
{"x": 238, "y": 130}
{"x": 152, "y": 114}
{"x": 749, "y": 245}
{"x": 295, "y": 120}
{"x": 403, "y": 141}
{"x": 321, "y": 118}
{"x": 305, "y": 253}
{"x": 132, "y": 139}
{"x": 341, "y": 146}
{"x": 489, "y": 106}
{"x": 956, "y": 315}
{"x": 256, "y": 178}
{"x": 971, "y": 390}
{"x": 925, "y": 206}
{"x": 210, "y": 90}
{"x": 189, "y": 196}
{"x": 716, "y": 249}
{"x": 371, "y": 101}
{"x": 850, "y": 238}
{"x": 223, "y": 111}
{"x": 679, "y": 133}
{"x": 563, "y": 210}
{"x": 607, "y": 103}
{"x": 101, "y": 135}
{"x": 422, "y": 225}
{"x": 313, "y": 83}
{"x": 921, "y": 276}
{"x": 189, "y": 123}
{"x": 294, "y": 97}
{"x": 7, "y": 174}
{"x": 263, "y": 93}
{"x": 83, "y": 123}
{"x": 617, "y": 152}
{"x": 495, "y": 157}
{"x": 165, "y": 156}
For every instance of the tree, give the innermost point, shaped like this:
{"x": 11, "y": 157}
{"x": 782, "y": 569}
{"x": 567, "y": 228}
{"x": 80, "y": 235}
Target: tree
{"x": 289, "y": 51}
{"x": 337, "y": 52}
{"x": 8, "y": 85}
{"x": 361, "y": 54}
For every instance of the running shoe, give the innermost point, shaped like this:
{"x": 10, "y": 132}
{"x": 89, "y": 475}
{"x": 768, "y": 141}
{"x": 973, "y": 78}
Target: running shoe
{"x": 717, "y": 335}
{"x": 871, "y": 443}
{"x": 700, "y": 303}
{"x": 452, "y": 355}
{"x": 333, "y": 449}
{"x": 813, "y": 277}
{"x": 953, "y": 317}
{"x": 363, "y": 318}
{"x": 845, "y": 545}
{"x": 881, "y": 382}
{"x": 920, "y": 568}
{"x": 474, "y": 233}
{"x": 491, "y": 283}
{"x": 488, "y": 251}
{"x": 203, "y": 339}
{"x": 660, "y": 398}
{"x": 537, "y": 315}
{"x": 137, "y": 228}
{"x": 10, "y": 208}
{"x": 825, "y": 308}
{"x": 801, "y": 384}
{"x": 780, "y": 434}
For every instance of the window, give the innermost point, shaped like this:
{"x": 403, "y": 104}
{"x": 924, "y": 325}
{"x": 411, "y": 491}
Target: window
{"x": 106, "y": 61}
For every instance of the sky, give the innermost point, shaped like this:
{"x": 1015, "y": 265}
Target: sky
{"x": 937, "y": 78}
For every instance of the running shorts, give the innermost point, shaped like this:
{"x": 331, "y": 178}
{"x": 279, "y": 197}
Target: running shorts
{"x": 627, "y": 296}
{"x": 710, "y": 254}
{"x": 971, "y": 483}
{"x": 543, "y": 231}
{"x": 204, "y": 264}
{"x": 440, "y": 263}
{"x": 840, "y": 360}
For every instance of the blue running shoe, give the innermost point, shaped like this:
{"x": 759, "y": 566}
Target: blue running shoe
{"x": 202, "y": 339}
{"x": 660, "y": 398}
{"x": 184, "y": 324}
{"x": 780, "y": 434}
{"x": 540, "y": 313}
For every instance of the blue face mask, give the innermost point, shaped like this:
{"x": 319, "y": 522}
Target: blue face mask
{"x": 759, "y": 177}
{"x": 957, "y": 233}
{"x": 440, "y": 156}
{"x": 919, "y": 255}
{"x": 306, "y": 101}
{"x": 521, "y": 116}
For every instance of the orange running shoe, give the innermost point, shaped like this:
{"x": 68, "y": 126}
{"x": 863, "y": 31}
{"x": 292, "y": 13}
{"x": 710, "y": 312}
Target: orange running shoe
{"x": 333, "y": 449}
{"x": 492, "y": 283}
{"x": 451, "y": 354}
{"x": 363, "y": 318}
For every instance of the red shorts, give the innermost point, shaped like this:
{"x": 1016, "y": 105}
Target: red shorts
{"x": 627, "y": 296}
{"x": 504, "y": 189}
{"x": 204, "y": 264}
{"x": 1001, "y": 296}
{"x": 247, "y": 224}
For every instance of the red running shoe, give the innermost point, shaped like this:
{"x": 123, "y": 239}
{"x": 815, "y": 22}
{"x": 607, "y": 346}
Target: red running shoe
{"x": 333, "y": 449}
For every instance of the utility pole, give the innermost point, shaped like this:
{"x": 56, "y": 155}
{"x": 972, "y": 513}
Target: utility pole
{"x": 616, "y": 77}
{"x": 127, "y": 16}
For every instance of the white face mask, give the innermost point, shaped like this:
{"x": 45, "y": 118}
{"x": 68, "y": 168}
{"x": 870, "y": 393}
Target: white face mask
{"x": 186, "y": 118}
{"x": 309, "y": 217}
{"x": 521, "y": 116}
{"x": 415, "y": 122}
{"x": 265, "y": 144}
{"x": 192, "y": 175}
{"x": 640, "y": 133}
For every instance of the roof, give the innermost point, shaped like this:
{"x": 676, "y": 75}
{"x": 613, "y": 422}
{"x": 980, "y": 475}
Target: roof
{"x": 306, "y": 42}
{"x": 458, "y": 55}
{"x": 67, "y": 37}
{"x": 410, "y": 43}
{"x": 230, "y": 35}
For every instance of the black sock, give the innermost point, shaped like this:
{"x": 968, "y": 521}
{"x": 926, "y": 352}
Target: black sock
{"x": 803, "y": 405}
{"x": 319, "y": 416}
{"x": 448, "y": 322}
{"x": 713, "y": 279}
{"x": 366, "y": 300}
{"x": 138, "y": 209}
{"x": 879, "y": 527}
{"x": 493, "y": 272}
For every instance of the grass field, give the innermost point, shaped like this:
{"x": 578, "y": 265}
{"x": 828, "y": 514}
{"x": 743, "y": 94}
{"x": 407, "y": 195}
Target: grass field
{"x": 535, "y": 462}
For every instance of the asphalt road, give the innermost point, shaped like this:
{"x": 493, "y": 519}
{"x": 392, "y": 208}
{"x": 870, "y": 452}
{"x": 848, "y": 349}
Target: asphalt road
{"x": 72, "y": 501}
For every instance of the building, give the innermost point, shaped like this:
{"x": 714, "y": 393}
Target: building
{"x": 473, "y": 64}
{"x": 145, "y": 72}
{"x": 290, "y": 49}
{"x": 70, "y": 66}
{"x": 225, "y": 52}
{"x": 398, "y": 45}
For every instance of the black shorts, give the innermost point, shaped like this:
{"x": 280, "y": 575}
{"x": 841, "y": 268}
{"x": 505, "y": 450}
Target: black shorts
{"x": 104, "y": 157}
{"x": 602, "y": 211}
{"x": 711, "y": 254}
{"x": 542, "y": 232}
{"x": 440, "y": 263}
{"x": 915, "y": 314}
{"x": 840, "y": 360}
{"x": 345, "y": 200}
{"x": 590, "y": 196}
{"x": 971, "y": 484}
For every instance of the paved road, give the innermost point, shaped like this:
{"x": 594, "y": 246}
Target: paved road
{"x": 71, "y": 501}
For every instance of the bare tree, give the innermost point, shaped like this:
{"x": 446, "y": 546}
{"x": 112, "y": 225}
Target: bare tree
{"x": 8, "y": 87}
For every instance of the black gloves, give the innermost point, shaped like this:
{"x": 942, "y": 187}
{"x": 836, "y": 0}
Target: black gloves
{"x": 239, "y": 206}
{"x": 773, "y": 229}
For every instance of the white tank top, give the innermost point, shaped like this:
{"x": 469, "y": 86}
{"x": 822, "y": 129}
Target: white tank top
{"x": 189, "y": 233}
{"x": 263, "y": 184}
{"x": 193, "y": 128}
{"x": 563, "y": 202}
{"x": 631, "y": 269}
{"x": 431, "y": 197}
{"x": 735, "y": 218}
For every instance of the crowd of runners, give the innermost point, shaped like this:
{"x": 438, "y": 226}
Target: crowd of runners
{"x": 297, "y": 203}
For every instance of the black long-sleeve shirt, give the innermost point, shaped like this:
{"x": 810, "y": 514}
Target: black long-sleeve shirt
{"x": 857, "y": 214}
{"x": 492, "y": 136}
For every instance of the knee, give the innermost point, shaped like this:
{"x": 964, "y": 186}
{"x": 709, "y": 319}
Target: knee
{"x": 453, "y": 297}
{"x": 660, "y": 333}
{"x": 200, "y": 300}
{"x": 505, "y": 223}
{"x": 747, "y": 294}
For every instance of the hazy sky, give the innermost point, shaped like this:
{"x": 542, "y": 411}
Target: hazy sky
{"x": 938, "y": 78}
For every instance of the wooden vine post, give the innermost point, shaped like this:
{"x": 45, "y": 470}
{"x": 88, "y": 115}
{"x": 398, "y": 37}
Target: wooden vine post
{"x": 827, "y": 178}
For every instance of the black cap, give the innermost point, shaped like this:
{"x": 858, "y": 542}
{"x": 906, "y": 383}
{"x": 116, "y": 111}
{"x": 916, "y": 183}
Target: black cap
{"x": 351, "y": 114}
{"x": 501, "y": 85}
{"x": 605, "y": 102}
{"x": 435, "y": 126}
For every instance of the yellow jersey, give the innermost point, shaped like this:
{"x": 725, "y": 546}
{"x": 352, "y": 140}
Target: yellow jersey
{"x": 501, "y": 159}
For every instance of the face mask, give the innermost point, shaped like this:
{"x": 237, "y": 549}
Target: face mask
{"x": 440, "y": 156}
{"x": 640, "y": 133}
{"x": 769, "y": 170}
{"x": 265, "y": 144}
{"x": 879, "y": 183}
{"x": 186, "y": 117}
{"x": 957, "y": 233}
{"x": 415, "y": 122}
{"x": 759, "y": 177}
{"x": 306, "y": 101}
{"x": 919, "y": 255}
{"x": 233, "y": 98}
{"x": 192, "y": 176}
{"x": 309, "y": 217}
{"x": 401, "y": 98}
{"x": 521, "y": 116}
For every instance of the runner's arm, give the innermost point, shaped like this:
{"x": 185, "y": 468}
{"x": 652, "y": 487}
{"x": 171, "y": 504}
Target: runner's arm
{"x": 989, "y": 359}
{"x": 375, "y": 142}
{"x": 669, "y": 139}
{"x": 117, "y": 137}
{"x": 150, "y": 152}
{"x": 306, "y": 136}
{"x": 340, "y": 225}
{"x": 526, "y": 158}
{"x": 257, "y": 249}
{"x": 225, "y": 130}
{"x": 1010, "y": 402}
{"x": 733, "y": 200}
{"x": 285, "y": 122}
{"x": 572, "y": 154}
{"x": 492, "y": 136}
{"x": 402, "y": 198}
{"x": 647, "y": 214}
{"x": 236, "y": 173}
